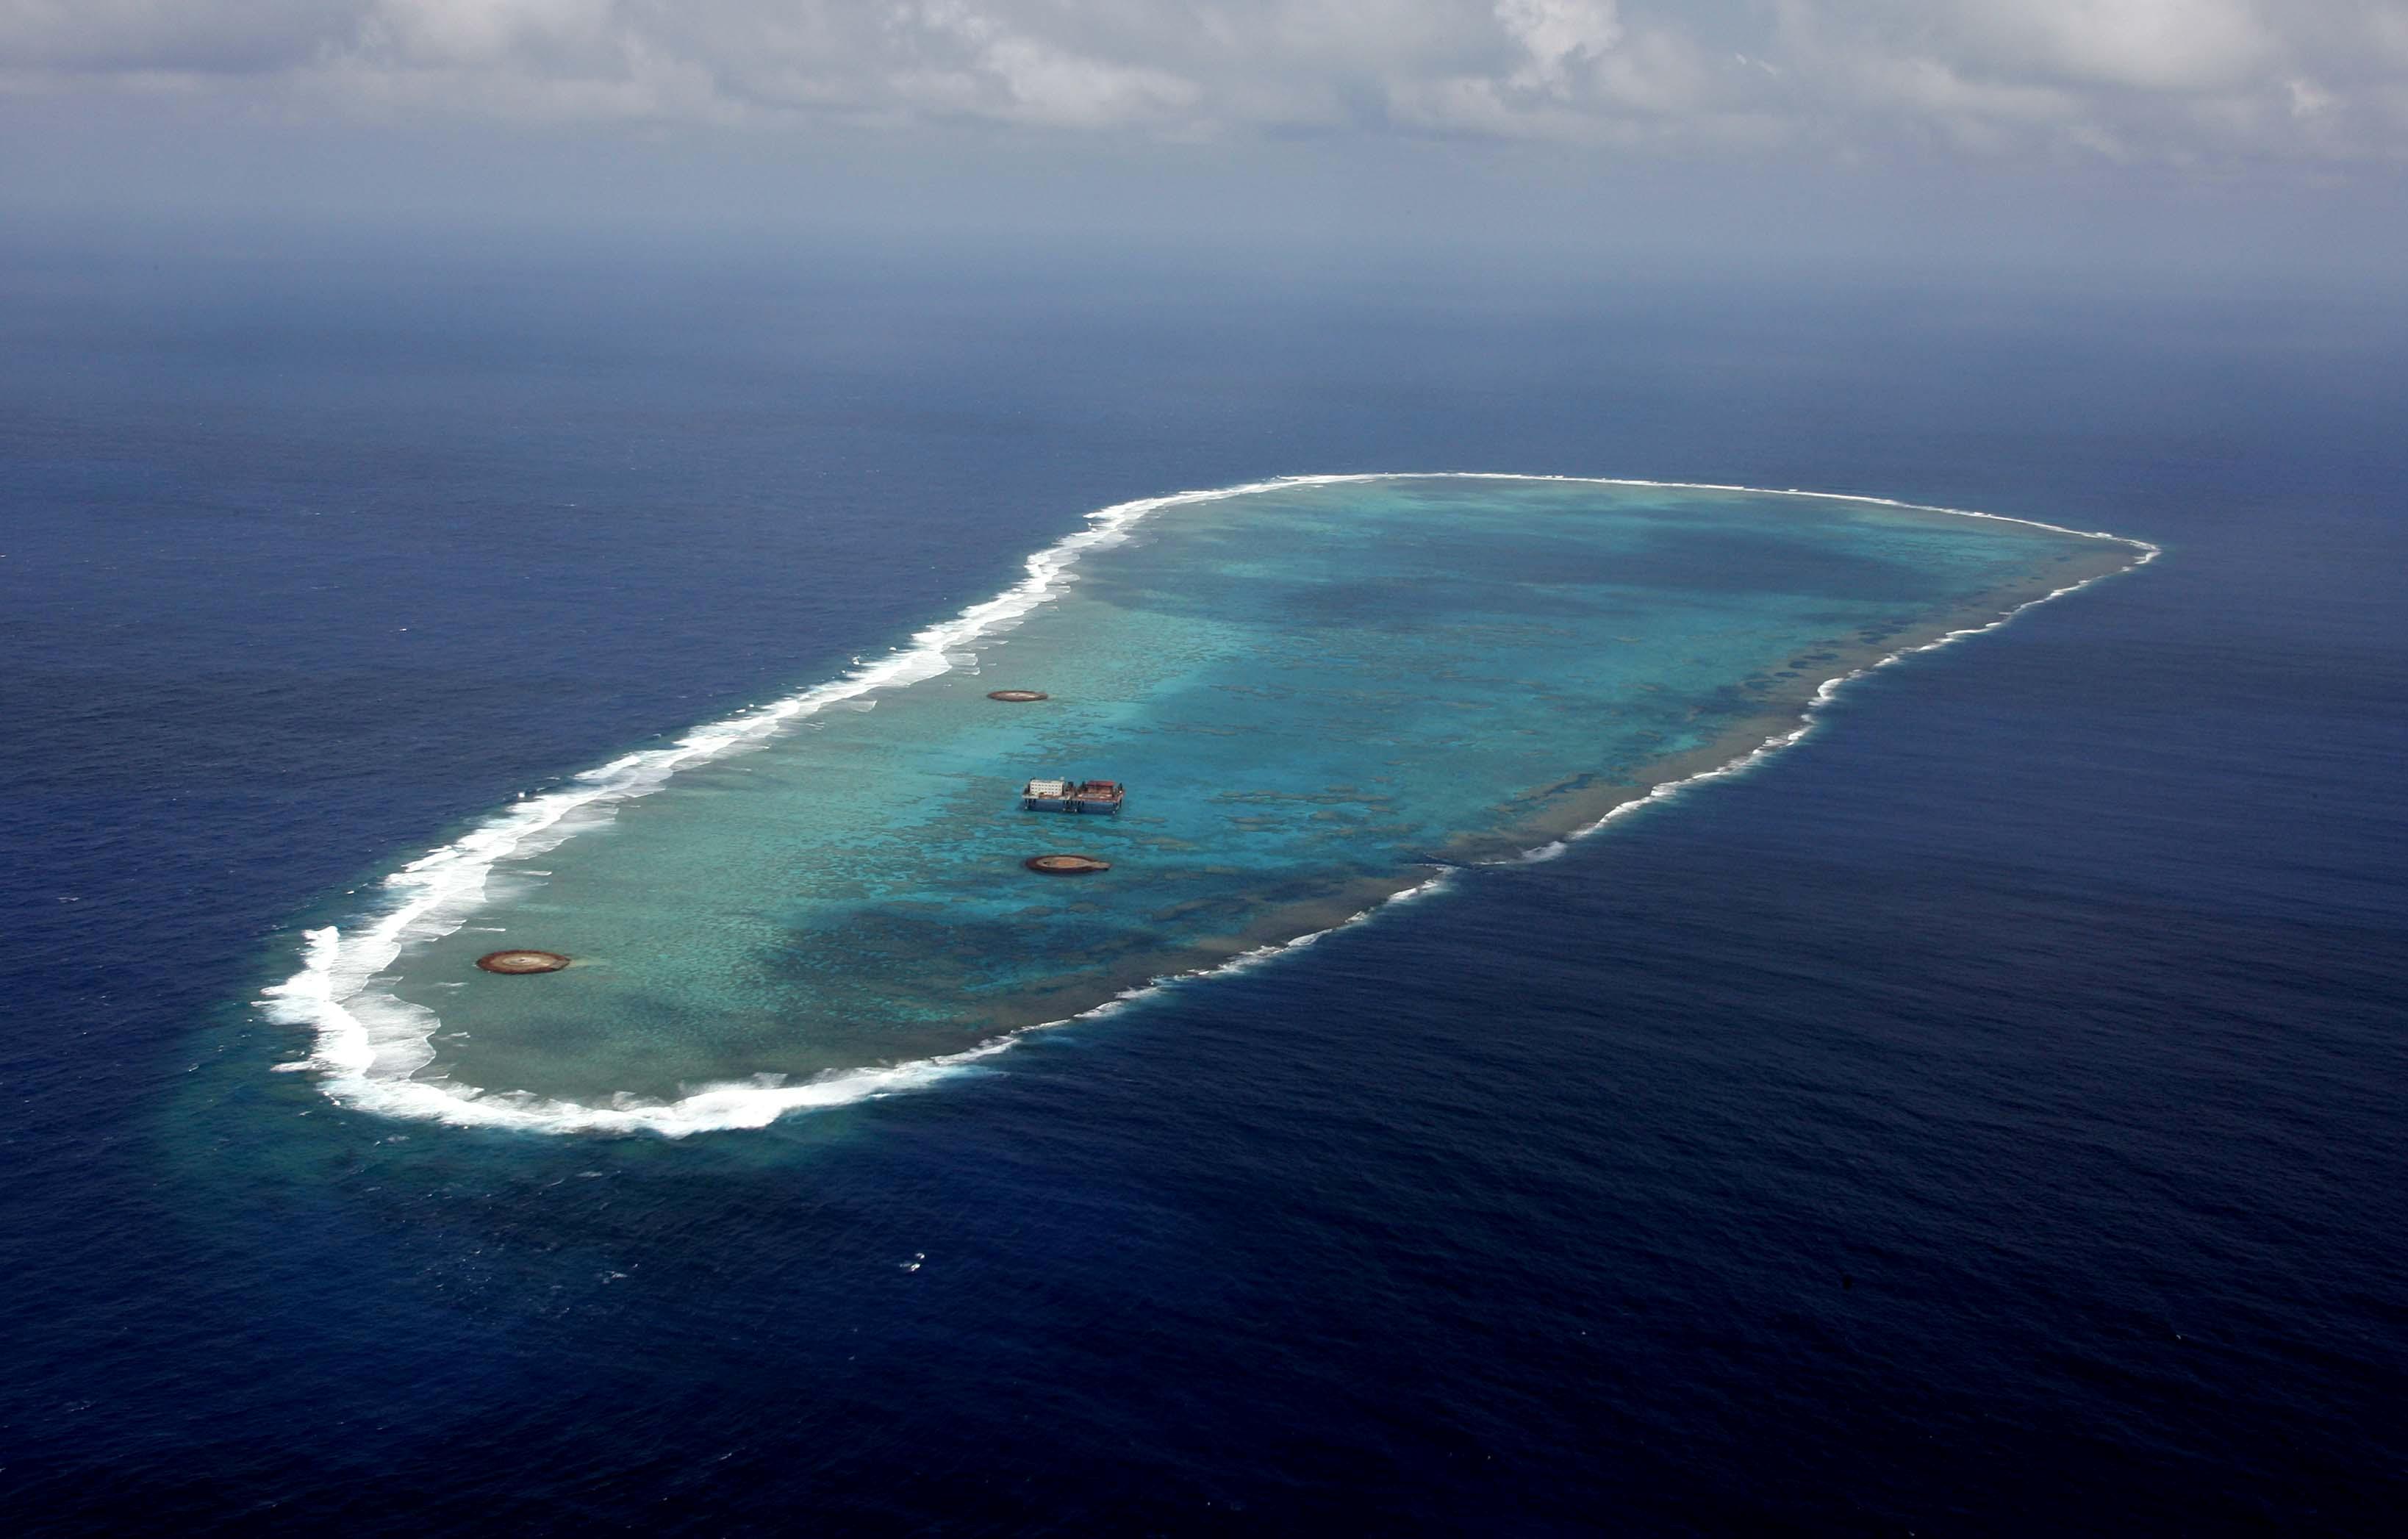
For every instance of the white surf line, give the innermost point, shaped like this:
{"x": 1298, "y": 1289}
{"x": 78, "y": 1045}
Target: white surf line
{"x": 368, "y": 1045}
{"x": 1825, "y": 692}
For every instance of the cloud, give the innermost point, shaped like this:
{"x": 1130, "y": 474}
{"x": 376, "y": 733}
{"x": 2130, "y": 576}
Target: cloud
{"x": 2144, "y": 45}
{"x": 1012, "y": 75}
{"x": 1560, "y": 38}
{"x": 492, "y": 33}
{"x": 2191, "y": 81}
{"x": 238, "y": 37}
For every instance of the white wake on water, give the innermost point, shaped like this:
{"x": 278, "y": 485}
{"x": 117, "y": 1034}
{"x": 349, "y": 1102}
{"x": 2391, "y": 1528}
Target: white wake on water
{"x": 369, "y": 1045}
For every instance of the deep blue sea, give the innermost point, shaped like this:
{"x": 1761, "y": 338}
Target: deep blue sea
{"x": 1986, "y": 1116}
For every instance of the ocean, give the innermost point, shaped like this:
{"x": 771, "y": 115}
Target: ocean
{"x": 1983, "y": 1114}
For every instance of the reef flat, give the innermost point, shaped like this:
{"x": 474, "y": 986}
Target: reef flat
{"x": 1319, "y": 691}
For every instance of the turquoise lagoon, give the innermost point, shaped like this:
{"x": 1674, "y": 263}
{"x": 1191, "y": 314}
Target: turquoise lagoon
{"x": 1320, "y": 693}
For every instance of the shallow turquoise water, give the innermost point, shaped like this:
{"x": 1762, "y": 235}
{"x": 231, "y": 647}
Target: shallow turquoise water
{"x": 1316, "y": 693}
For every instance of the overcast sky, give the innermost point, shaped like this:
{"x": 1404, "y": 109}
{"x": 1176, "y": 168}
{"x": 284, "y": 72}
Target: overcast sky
{"x": 2302, "y": 102}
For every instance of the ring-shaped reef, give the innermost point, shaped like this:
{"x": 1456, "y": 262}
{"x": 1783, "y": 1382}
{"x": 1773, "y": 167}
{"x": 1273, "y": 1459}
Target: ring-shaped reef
{"x": 1317, "y": 692}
